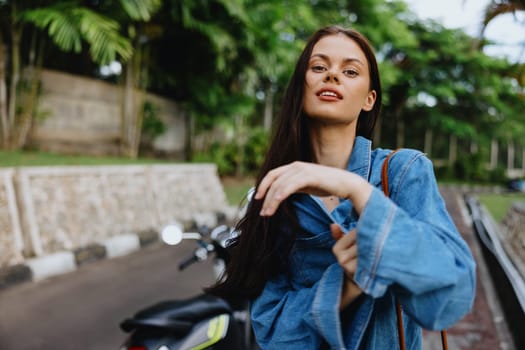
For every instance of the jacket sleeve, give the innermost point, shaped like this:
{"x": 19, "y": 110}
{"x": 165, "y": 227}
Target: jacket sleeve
{"x": 409, "y": 242}
{"x": 287, "y": 318}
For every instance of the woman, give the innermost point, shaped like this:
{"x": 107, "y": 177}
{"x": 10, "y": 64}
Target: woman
{"x": 323, "y": 253}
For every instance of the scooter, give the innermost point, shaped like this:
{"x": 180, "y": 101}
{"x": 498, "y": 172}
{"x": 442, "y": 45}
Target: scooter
{"x": 200, "y": 322}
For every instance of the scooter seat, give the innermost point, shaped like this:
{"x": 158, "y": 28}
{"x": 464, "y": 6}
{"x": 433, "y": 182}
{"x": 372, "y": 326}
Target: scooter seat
{"x": 177, "y": 315}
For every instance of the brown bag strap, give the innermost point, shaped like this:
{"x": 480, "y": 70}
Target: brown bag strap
{"x": 399, "y": 311}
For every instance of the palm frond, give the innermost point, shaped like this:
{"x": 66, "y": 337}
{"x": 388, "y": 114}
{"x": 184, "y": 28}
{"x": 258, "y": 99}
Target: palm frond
{"x": 67, "y": 26}
{"x": 140, "y": 10}
{"x": 102, "y": 34}
{"x": 222, "y": 41}
{"x": 61, "y": 28}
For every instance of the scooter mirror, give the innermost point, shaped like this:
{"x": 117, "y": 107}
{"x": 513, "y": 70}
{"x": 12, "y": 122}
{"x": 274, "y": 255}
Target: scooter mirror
{"x": 172, "y": 234}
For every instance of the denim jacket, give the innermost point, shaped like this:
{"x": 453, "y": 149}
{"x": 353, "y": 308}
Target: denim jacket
{"x": 408, "y": 248}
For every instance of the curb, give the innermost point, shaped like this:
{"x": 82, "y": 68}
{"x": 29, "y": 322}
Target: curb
{"x": 40, "y": 268}
{"x": 37, "y": 269}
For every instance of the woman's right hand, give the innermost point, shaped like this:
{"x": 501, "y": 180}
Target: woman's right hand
{"x": 311, "y": 178}
{"x": 345, "y": 250}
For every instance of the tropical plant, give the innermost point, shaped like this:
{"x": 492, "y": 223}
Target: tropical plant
{"x": 67, "y": 24}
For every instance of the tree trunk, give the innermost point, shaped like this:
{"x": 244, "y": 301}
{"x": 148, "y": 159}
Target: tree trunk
{"x": 127, "y": 110}
{"x": 377, "y": 132}
{"x": 510, "y": 156}
{"x": 493, "y": 154}
{"x": 523, "y": 158}
{"x": 241, "y": 140}
{"x": 25, "y": 118}
{"x": 15, "y": 78}
{"x": 141, "y": 53}
{"x": 453, "y": 149}
{"x": 473, "y": 147}
{"x": 400, "y": 125}
{"x": 429, "y": 135}
{"x": 3, "y": 96}
{"x": 268, "y": 108}
{"x": 29, "y": 98}
{"x": 400, "y": 132}
{"x": 132, "y": 112}
{"x": 190, "y": 135}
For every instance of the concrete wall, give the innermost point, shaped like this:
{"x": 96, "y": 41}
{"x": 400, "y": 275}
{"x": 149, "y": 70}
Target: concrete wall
{"x": 513, "y": 225}
{"x": 45, "y": 210}
{"x": 83, "y": 116}
{"x": 11, "y": 241}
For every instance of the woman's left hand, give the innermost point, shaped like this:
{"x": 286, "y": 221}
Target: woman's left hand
{"x": 345, "y": 250}
{"x": 319, "y": 180}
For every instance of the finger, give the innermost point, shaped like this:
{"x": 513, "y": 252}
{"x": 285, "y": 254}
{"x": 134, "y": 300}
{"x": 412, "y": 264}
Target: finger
{"x": 289, "y": 181}
{"x": 344, "y": 242}
{"x": 350, "y": 267}
{"x": 347, "y": 255}
{"x": 347, "y": 258}
{"x": 336, "y": 230}
{"x": 284, "y": 184}
{"x": 348, "y": 264}
{"x": 266, "y": 182}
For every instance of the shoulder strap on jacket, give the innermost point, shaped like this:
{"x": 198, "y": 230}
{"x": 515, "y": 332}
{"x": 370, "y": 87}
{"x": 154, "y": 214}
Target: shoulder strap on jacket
{"x": 399, "y": 312}
{"x": 384, "y": 173}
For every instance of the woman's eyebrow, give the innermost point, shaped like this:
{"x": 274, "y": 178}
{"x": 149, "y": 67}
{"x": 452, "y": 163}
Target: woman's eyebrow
{"x": 346, "y": 60}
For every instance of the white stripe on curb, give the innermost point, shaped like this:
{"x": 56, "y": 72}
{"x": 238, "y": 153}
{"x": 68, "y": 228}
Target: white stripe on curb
{"x": 121, "y": 245}
{"x": 51, "y": 265}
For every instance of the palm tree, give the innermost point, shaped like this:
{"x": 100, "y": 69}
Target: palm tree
{"x": 67, "y": 24}
{"x": 497, "y": 8}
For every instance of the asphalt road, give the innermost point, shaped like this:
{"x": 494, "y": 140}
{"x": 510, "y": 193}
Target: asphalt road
{"x": 82, "y": 310}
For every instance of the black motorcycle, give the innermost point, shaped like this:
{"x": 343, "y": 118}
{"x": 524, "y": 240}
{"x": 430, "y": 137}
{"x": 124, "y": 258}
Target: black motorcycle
{"x": 200, "y": 322}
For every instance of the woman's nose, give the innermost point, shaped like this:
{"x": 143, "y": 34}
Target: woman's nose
{"x": 330, "y": 76}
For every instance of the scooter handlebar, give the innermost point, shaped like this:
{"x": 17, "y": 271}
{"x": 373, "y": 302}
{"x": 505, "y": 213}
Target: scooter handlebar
{"x": 187, "y": 262}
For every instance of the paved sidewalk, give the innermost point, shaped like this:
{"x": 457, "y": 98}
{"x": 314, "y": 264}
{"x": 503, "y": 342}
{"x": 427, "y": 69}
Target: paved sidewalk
{"x": 484, "y": 328}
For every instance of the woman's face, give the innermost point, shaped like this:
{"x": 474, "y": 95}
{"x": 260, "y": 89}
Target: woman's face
{"x": 337, "y": 81}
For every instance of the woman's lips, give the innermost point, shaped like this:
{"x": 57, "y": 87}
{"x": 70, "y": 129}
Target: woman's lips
{"x": 329, "y": 95}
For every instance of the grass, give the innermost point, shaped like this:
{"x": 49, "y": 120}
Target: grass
{"x": 33, "y": 158}
{"x": 499, "y": 204}
{"x": 236, "y": 188}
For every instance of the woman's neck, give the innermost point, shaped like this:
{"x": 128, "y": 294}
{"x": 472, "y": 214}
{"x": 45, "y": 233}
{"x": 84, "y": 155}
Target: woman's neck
{"x": 332, "y": 145}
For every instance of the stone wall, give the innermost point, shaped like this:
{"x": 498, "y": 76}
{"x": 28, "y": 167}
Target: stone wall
{"x": 83, "y": 116}
{"x": 11, "y": 243}
{"x": 514, "y": 234}
{"x": 44, "y": 210}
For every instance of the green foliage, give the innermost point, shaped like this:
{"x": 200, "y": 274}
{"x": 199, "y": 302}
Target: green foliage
{"x": 444, "y": 83}
{"x": 67, "y": 25}
{"x": 222, "y": 154}
{"x": 230, "y": 59}
{"x": 152, "y": 125}
{"x": 227, "y": 155}
{"x": 140, "y": 10}
{"x": 255, "y": 149}
{"x": 473, "y": 168}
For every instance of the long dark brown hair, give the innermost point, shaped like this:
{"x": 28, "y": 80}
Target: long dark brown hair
{"x": 261, "y": 249}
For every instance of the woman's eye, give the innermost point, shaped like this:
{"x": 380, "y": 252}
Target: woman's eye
{"x": 350, "y": 72}
{"x": 318, "y": 69}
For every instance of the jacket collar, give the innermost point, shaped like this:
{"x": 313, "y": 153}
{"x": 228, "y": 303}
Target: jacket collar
{"x": 360, "y": 158}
